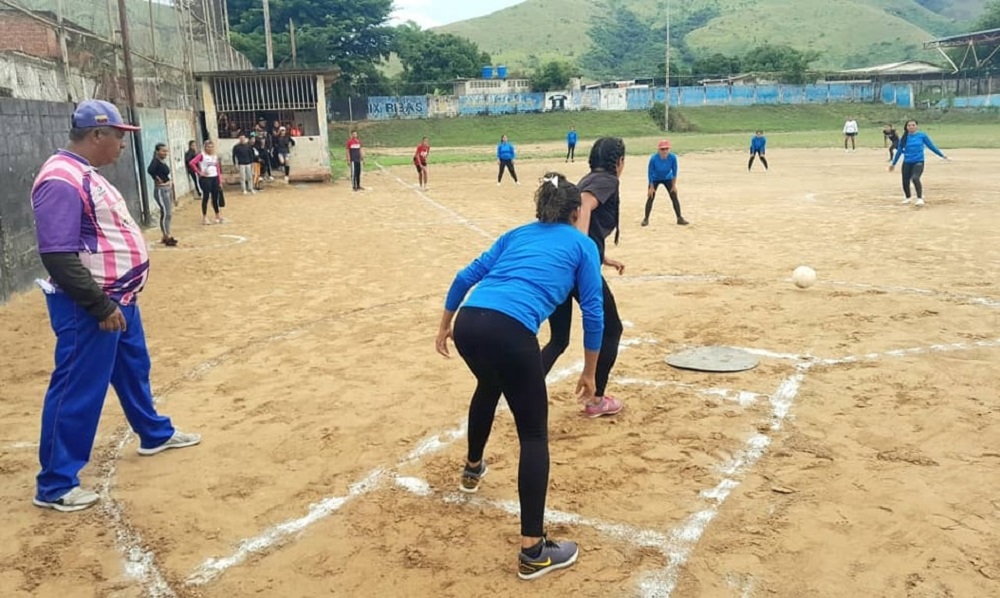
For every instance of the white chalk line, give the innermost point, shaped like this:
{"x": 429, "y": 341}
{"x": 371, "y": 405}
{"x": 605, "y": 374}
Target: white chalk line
{"x": 139, "y": 563}
{"x": 452, "y": 213}
{"x": 214, "y": 567}
{"x": 742, "y": 397}
{"x": 19, "y": 446}
{"x": 237, "y": 240}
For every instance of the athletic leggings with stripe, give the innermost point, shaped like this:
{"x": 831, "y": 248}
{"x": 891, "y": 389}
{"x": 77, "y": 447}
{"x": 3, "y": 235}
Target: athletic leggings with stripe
{"x": 912, "y": 172}
{"x": 504, "y": 356}
{"x": 560, "y": 323}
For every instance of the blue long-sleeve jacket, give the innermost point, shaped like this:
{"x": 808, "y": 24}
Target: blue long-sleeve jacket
{"x": 505, "y": 151}
{"x": 532, "y": 269}
{"x": 571, "y": 138}
{"x": 662, "y": 169}
{"x": 913, "y": 150}
{"x": 758, "y": 144}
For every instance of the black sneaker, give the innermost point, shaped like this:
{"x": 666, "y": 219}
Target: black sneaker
{"x": 471, "y": 478}
{"x": 554, "y": 555}
{"x": 682, "y": 222}
{"x": 645, "y": 222}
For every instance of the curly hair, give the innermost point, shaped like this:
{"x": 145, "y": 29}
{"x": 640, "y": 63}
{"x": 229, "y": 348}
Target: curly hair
{"x": 606, "y": 153}
{"x": 556, "y": 199}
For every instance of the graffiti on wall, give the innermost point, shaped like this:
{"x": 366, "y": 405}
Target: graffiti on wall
{"x": 501, "y": 103}
{"x": 384, "y": 107}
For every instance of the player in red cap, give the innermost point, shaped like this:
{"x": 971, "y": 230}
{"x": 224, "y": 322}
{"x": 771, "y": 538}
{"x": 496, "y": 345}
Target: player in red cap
{"x": 663, "y": 171}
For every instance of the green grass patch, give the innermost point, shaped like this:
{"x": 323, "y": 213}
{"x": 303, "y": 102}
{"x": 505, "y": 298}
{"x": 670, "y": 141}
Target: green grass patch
{"x": 717, "y": 129}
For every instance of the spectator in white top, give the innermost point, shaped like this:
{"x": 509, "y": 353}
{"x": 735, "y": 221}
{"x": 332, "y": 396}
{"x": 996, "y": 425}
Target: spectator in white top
{"x": 850, "y": 132}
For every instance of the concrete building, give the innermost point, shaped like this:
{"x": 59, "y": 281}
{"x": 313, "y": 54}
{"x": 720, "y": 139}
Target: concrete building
{"x": 233, "y": 101}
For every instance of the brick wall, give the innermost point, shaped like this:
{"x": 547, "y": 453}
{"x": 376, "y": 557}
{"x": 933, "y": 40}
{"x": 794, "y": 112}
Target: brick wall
{"x": 21, "y": 33}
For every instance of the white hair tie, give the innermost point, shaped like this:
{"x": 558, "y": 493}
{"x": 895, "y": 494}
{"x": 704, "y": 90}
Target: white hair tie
{"x": 554, "y": 179}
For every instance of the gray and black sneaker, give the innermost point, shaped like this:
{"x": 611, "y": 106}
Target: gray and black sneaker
{"x": 471, "y": 477}
{"x": 554, "y": 555}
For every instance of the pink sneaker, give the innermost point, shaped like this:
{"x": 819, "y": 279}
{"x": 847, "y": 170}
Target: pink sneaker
{"x": 608, "y": 406}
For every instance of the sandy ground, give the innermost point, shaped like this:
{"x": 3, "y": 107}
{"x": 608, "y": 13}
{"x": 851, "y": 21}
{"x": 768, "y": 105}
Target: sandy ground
{"x": 298, "y": 339}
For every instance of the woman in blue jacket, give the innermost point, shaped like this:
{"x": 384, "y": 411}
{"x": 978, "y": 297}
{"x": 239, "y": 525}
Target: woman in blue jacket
{"x": 663, "y": 171}
{"x": 505, "y": 158}
{"x": 518, "y": 283}
{"x": 911, "y": 148}
{"x": 758, "y": 145}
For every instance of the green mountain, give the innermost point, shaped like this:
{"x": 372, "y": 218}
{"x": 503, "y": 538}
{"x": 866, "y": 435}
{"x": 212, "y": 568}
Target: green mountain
{"x": 846, "y": 33}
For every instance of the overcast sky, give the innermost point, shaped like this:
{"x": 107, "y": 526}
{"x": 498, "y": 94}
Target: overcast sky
{"x": 431, "y": 13}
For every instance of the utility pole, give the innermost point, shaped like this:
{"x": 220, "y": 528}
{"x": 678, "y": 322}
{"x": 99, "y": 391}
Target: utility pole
{"x": 666, "y": 99}
{"x": 291, "y": 29}
{"x": 133, "y": 113}
{"x": 267, "y": 35}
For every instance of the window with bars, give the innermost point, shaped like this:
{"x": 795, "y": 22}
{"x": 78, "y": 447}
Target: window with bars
{"x": 264, "y": 93}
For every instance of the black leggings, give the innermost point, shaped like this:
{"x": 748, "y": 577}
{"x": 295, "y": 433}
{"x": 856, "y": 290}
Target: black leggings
{"x": 509, "y": 165}
{"x": 673, "y": 198}
{"x": 504, "y": 357}
{"x": 571, "y": 152}
{"x": 560, "y": 323}
{"x": 355, "y": 175}
{"x": 194, "y": 180}
{"x": 763, "y": 160}
{"x": 210, "y": 187}
{"x": 912, "y": 172}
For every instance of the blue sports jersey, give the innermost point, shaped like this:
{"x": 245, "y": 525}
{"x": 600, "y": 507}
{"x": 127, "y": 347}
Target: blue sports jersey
{"x": 662, "y": 169}
{"x": 913, "y": 150}
{"x": 758, "y": 144}
{"x": 571, "y": 138}
{"x": 532, "y": 269}
{"x": 505, "y": 151}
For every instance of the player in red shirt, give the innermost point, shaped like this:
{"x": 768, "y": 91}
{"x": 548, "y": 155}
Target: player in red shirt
{"x": 355, "y": 157}
{"x": 420, "y": 161}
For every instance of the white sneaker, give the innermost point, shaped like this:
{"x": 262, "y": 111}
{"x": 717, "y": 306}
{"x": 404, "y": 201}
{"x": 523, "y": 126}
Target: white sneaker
{"x": 498, "y": 184}
{"x": 245, "y": 192}
{"x": 76, "y": 499}
{"x": 178, "y": 440}
{"x": 919, "y": 202}
{"x": 905, "y": 201}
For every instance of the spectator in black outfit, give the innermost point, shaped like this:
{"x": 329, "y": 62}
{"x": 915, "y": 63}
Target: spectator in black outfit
{"x": 192, "y": 173}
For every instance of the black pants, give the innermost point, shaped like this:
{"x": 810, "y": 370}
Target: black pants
{"x": 355, "y": 175}
{"x": 571, "y": 152}
{"x": 196, "y": 185}
{"x": 509, "y": 165}
{"x": 673, "y": 198}
{"x": 763, "y": 160}
{"x": 504, "y": 357}
{"x": 265, "y": 166}
{"x": 560, "y": 323}
{"x": 911, "y": 173}
{"x": 892, "y": 150}
{"x": 211, "y": 187}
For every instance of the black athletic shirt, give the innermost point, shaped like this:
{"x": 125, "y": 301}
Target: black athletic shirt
{"x": 604, "y": 218}
{"x": 243, "y": 154}
{"x": 158, "y": 170}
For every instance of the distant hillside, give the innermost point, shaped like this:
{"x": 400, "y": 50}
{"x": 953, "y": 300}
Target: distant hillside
{"x": 846, "y": 33}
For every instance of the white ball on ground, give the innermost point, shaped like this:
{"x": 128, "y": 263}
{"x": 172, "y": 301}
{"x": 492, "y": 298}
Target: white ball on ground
{"x": 804, "y": 277}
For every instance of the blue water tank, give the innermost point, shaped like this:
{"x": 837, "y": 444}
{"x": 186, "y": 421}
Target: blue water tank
{"x": 501, "y": 72}
{"x": 488, "y": 72}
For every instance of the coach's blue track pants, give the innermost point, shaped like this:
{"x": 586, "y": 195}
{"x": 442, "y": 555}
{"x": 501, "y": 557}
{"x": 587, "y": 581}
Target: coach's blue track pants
{"x": 87, "y": 360}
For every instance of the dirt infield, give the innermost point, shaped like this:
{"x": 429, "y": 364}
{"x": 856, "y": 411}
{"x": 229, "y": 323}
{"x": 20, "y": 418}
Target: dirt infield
{"x": 858, "y": 459}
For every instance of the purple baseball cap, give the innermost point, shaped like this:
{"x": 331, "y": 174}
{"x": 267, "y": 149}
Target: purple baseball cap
{"x": 98, "y": 113}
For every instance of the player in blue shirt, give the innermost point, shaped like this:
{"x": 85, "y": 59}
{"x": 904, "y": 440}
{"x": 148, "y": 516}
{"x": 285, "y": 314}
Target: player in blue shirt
{"x": 758, "y": 145}
{"x": 663, "y": 171}
{"x": 519, "y": 282}
{"x": 505, "y": 158}
{"x": 911, "y": 148}
{"x": 571, "y": 145}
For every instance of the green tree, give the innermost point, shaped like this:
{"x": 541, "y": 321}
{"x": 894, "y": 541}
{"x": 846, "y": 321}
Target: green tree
{"x": 990, "y": 19}
{"x": 349, "y": 34}
{"x": 716, "y": 65}
{"x": 432, "y": 61}
{"x": 551, "y": 76}
{"x": 623, "y": 45}
{"x": 785, "y": 63}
